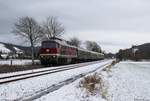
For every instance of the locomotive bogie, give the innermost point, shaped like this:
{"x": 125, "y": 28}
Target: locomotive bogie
{"x": 48, "y": 59}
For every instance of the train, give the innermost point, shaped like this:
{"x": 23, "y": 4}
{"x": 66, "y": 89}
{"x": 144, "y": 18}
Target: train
{"x": 58, "y": 51}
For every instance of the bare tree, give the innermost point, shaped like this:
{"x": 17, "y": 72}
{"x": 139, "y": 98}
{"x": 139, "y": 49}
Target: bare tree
{"x": 28, "y": 28}
{"x": 0, "y": 55}
{"x": 75, "y": 41}
{"x": 52, "y": 28}
{"x": 93, "y": 46}
{"x": 89, "y": 45}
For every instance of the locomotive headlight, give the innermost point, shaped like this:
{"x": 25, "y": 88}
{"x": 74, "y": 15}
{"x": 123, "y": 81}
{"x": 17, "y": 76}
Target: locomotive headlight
{"x": 54, "y": 56}
{"x": 47, "y": 50}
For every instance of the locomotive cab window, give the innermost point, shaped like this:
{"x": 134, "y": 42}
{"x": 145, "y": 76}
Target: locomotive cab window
{"x": 50, "y": 45}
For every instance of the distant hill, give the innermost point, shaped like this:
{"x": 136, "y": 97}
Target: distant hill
{"x": 12, "y": 48}
{"x": 135, "y": 52}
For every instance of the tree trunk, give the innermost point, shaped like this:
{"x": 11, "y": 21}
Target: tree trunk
{"x": 32, "y": 52}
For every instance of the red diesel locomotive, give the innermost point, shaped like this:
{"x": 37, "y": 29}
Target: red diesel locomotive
{"x": 58, "y": 51}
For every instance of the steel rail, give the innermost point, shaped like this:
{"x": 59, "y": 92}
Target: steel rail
{"x": 60, "y": 67}
{"x": 54, "y": 87}
{"x": 40, "y": 73}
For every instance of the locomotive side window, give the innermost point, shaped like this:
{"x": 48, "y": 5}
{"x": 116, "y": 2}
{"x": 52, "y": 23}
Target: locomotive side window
{"x": 49, "y": 45}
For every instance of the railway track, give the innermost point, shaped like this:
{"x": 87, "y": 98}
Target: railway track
{"x": 22, "y": 76}
{"x": 54, "y": 87}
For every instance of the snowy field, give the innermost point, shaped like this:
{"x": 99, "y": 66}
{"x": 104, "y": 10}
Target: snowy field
{"x": 17, "y": 62}
{"x": 28, "y": 87}
{"x": 130, "y": 81}
{"x": 127, "y": 81}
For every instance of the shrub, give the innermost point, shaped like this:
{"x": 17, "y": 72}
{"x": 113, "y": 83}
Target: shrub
{"x": 108, "y": 68}
{"x": 94, "y": 84}
{"x": 89, "y": 82}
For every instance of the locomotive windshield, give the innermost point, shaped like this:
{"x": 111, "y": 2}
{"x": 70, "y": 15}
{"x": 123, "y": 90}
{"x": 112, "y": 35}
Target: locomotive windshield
{"x": 49, "y": 44}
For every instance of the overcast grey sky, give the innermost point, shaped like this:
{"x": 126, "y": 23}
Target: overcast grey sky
{"x": 114, "y": 24}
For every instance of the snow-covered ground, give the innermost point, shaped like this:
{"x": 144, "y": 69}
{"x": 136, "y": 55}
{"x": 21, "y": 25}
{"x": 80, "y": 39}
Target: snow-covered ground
{"x": 130, "y": 81}
{"x": 70, "y": 92}
{"x": 24, "y": 88}
{"x": 17, "y": 62}
{"x": 17, "y": 49}
{"x": 4, "y": 49}
{"x": 127, "y": 81}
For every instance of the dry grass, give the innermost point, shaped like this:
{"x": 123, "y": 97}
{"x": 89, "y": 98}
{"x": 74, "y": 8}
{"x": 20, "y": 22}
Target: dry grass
{"x": 89, "y": 82}
{"x": 94, "y": 84}
{"x": 108, "y": 68}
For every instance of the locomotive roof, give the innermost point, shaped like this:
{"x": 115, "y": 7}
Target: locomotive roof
{"x": 65, "y": 43}
{"x": 60, "y": 41}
